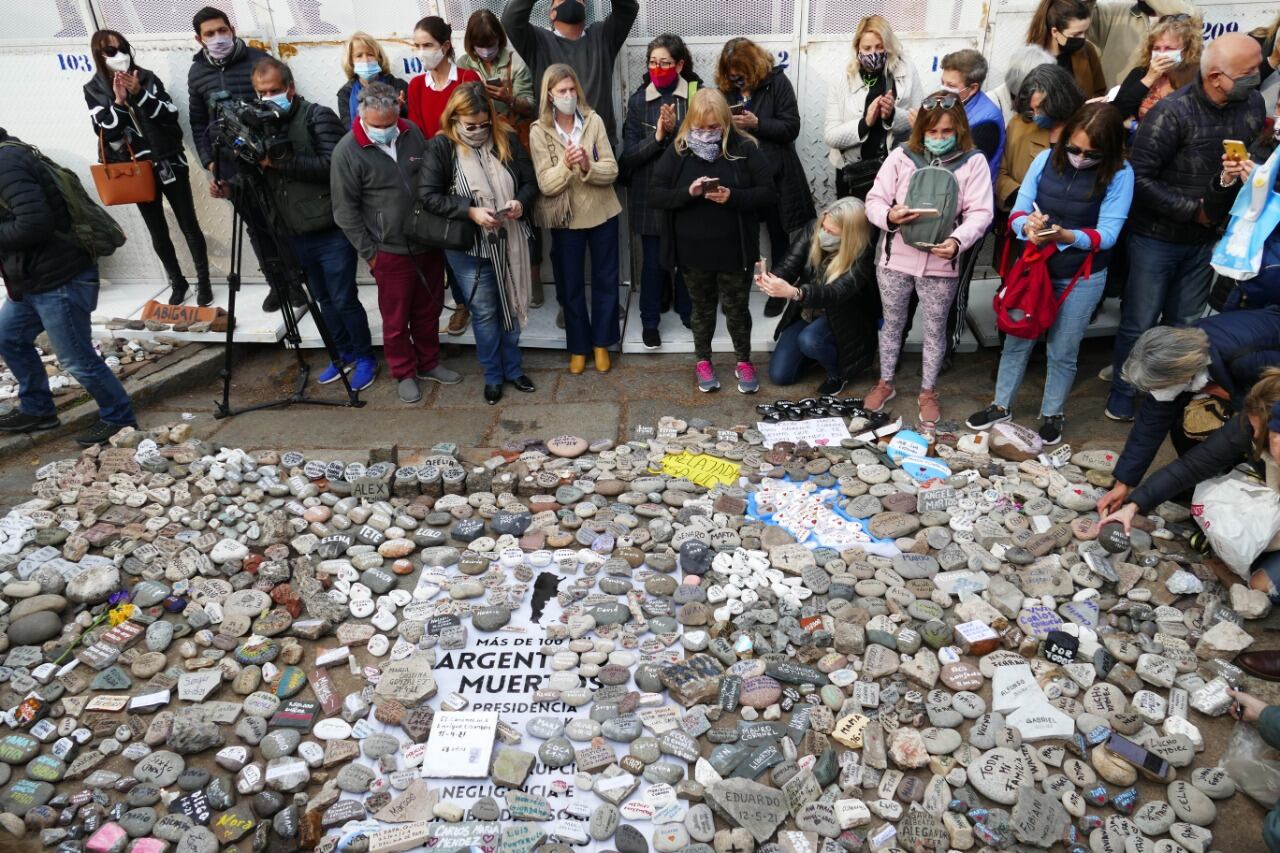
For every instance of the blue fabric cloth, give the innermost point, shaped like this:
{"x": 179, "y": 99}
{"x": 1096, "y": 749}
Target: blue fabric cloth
{"x": 1111, "y": 217}
{"x": 980, "y": 109}
{"x": 498, "y": 350}
{"x": 800, "y": 343}
{"x": 353, "y": 99}
{"x": 329, "y": 261}
{"x": 64, "y": 314}
{"x": 569, "y": 246}
{"x": 1063, "y": 346}
{"x": 651, "y": 274}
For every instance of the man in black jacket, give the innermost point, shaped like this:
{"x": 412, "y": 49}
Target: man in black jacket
{"x": 300, "y": 186}
{"x": 53, "y": 288}
{"x": 1177, "y": 151}
{"x": 221, "y": 72}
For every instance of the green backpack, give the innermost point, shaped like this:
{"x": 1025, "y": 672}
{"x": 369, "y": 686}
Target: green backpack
{"x": 92, "y": 228}
{"x": 933, "y": 185}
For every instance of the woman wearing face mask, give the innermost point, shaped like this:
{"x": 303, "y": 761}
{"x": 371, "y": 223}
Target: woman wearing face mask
{"x": 940, "y": 136}
{"x": 364, "y": 61}
{"x": 1059, "y": 26}
{"x": 429, "y": 92}
{"x": 763, "y": 104}
{"x": 1169, "y": 60}
{"x": 477, "y": 169}
{"x": 1076, "y": 192}
{"x": 654, "y": 112}
{"x": 506, "y": 78}
{"x": 862, "y": 119}
{"x": 714, "y": 182}
{"x": 1049, "y": 96}
{"x": 576, "y": 170}
{"x": 1251, "y": 437}
{"x": 833, "y": 303}
{"x": 134, "y": 116}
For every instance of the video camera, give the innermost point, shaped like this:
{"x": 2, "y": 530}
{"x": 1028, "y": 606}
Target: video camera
{"x": 251, "y": 130}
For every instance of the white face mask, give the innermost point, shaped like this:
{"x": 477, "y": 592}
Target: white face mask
{"x": 120, "y": 62}
{"x": 567, "y": 104}
{"x": 430, "y": 58}
{"x": 1168, "y": 395}
{"x": 1175, "y": 55}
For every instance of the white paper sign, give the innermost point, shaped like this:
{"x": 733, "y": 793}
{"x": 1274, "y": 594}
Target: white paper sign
{"x": 818, "y": 432}
{"x": 460, "y": 744}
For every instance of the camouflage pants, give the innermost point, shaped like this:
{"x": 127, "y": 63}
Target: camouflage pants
{"x": 732, "y": 290}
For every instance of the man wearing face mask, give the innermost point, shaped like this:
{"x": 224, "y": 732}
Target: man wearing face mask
{"x": 1177, "y": 151}
{"x": 300, "y": 185}
{"x": 589, "y": 50}
{"x": 1222, "y": 356}
{"x": 222, "y": 71}
{"x": 1120, "y": 27}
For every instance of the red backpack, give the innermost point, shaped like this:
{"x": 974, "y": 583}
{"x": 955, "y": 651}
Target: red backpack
{"x": 1024, "y": 303}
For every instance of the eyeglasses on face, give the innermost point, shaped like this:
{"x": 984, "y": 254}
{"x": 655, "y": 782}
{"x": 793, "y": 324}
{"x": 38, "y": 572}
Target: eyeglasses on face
{"x": 661, "y": 63}
{"x": 935, "y": 102}
{"x": 1087, "y": 153}
{"x": 472, "y": 128}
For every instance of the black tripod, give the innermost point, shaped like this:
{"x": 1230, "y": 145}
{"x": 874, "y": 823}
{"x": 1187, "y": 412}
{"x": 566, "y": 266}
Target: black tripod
{"x": 252, "y": 191}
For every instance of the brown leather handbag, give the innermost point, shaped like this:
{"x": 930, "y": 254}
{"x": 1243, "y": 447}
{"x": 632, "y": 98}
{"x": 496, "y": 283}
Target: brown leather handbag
{"x": 130, "y": 182}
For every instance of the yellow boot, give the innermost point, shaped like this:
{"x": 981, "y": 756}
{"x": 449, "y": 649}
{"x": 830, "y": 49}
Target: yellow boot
{"x": 577, "y": 364}
{"x": 602, "y": 360}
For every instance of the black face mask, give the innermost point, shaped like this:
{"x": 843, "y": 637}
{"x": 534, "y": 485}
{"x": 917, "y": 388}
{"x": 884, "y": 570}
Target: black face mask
{"x": 1072, "y": 44}
{"x": 571, "y": 12}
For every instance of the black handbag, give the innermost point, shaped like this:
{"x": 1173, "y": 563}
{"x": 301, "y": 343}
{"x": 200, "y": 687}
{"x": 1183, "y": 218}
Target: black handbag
{"x": 856, "y": 179}
{"x": 438, "y": 232}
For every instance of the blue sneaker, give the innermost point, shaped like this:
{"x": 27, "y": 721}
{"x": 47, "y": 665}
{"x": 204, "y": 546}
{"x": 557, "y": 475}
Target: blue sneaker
{"x": 1119, "y": 407}
{"x": 333, "y": 371}
{"x": 364, "y": 372}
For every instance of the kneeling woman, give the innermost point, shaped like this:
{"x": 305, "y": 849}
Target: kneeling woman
{"x": 835, "y": 305}
{"x": 1252, "y": 436}
{"x": 476, "y": 169}
{"x": 1077, "y": 191}
{"x": 713, "y": 185}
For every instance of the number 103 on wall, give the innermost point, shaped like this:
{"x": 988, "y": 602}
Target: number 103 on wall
{"x": 76, "y": 62}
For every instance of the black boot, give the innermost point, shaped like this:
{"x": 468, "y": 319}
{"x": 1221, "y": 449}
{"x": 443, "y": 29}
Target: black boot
{"x": 178, "y": 287}
{"x": 204, "y": 292}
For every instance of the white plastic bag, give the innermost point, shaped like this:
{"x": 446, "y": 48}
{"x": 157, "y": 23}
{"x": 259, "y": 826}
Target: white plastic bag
{"x": 1240, "y": 516}
{"x": 1252, "y": 765}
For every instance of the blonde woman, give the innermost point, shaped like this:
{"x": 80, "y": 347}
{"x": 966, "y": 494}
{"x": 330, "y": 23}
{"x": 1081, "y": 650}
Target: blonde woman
{"x": 576, "y": 170}
{"x": 1169, "y": 59}
{"x": 712, "y": 185}
{"x": 364, "y": 61}
{"x": 867, "y": 109}
{"x": 476, "y": 169}
{"x": 833, "y": 301}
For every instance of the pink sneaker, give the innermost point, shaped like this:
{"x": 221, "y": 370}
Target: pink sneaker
{"x": 746, "y": 374}
{"x": 930, "y": 412}
{"x": 878, "y": 396}
{"x": 706, "y": 374}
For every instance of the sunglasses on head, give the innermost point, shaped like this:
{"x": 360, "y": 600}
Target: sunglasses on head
{"x": 935, "y": 102}
{"x": 472, "y": 128}
{"x": 1179, "y": 17}
{"x": 1087, "y": 153}
{"x": 112, "y": 50}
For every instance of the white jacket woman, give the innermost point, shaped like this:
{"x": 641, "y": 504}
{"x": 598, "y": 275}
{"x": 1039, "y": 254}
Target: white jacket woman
{"x": 875, "y": 51}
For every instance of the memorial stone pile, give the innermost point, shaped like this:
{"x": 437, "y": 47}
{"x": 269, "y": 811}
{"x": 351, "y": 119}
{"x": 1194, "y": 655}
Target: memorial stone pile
{"x": 794, "y": 650}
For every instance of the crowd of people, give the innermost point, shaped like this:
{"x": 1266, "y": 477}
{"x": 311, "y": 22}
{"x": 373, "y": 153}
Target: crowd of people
{"x": 1113, "y": 149}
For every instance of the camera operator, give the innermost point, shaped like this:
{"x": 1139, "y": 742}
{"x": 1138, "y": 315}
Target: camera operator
{"x": 300, "y": 186}
{"x": 220, "y": 74}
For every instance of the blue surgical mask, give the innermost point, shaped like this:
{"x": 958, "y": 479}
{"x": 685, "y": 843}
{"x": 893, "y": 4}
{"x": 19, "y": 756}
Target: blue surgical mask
{"x": 1042, "y": 121}
{"x": 366, "y": 70}
{"x": 938, "y": 147}
{"x": 382, "y": 135}
{"x": 281, "y": 100}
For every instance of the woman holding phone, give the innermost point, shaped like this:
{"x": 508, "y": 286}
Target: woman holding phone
{"x": 939, "y": 138}
{"x": 1081, "y": 185}
{"x": 712, "y": 184}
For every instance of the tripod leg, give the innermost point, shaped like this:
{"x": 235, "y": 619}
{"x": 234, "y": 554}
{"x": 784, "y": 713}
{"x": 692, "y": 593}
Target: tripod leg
{"x": 223, "y": 409}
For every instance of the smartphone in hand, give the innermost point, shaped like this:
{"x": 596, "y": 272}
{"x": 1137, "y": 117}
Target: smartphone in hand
{"x": 710, "y": 185}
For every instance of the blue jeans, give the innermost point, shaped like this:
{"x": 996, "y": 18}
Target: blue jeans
{"x": 802, "y": 342}
{"x": 569, "y": 247}
{"x": 651, "y": 285}
{"x": 1168, "y": 283}
{"x": 64, "y": 314}
{"x": 1063, "y": 347}
{"x": 497, "y": 349}
{"x": 329, "y": 261}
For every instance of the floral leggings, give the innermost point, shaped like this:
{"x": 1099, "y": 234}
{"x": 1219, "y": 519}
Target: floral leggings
{"x": 936, "y": 294}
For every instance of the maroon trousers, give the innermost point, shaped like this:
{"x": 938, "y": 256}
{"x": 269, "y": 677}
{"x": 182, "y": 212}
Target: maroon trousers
{"x": 410, "y": 310}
